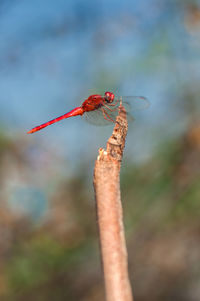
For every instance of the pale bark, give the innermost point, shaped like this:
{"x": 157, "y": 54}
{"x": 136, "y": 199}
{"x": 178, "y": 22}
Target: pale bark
{"x": 109, "y": 214}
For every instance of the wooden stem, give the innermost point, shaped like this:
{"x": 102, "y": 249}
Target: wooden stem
{"x": 109, "y": 213}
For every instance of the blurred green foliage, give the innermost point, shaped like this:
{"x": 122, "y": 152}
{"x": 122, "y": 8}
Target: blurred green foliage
{"x": 59, "y": 257}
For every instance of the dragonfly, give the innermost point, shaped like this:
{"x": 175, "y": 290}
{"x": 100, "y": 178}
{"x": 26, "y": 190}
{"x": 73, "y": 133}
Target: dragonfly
{"x": 101, "y": 110}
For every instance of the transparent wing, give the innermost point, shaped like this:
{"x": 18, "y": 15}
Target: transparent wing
{"x": 96, "y": 117}
{"x": 133, "y": 103}
{"x": 105, "y": 117}
{"x": 113, "y": 114}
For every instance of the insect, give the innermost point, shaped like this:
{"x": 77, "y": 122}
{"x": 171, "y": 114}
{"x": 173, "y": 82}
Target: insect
{"x": 101, "y": 110}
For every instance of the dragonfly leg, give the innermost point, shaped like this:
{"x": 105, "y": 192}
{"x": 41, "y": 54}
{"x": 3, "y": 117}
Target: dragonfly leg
{"x": 106, "y": 114}
{"x": 111, "y": 110}
{"x": 112, "y": 104}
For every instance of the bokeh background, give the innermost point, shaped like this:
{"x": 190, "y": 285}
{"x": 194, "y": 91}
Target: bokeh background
{"x": 53, "y": 54}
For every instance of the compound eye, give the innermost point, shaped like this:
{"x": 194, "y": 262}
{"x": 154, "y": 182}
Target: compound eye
{"x": 109, "y": 96}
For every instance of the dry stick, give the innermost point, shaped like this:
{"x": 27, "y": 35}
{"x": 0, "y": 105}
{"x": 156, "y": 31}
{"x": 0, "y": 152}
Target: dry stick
{"x": 109, "y": 213}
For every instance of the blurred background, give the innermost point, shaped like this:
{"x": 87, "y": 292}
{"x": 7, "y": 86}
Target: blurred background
{"x": 53, "y": 55}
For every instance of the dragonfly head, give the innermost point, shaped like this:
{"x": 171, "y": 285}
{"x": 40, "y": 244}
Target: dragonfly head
{"x": 109, "y": 96}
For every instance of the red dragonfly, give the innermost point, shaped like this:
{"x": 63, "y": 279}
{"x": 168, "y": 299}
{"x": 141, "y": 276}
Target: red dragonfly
{"x": 101, "y": 110}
